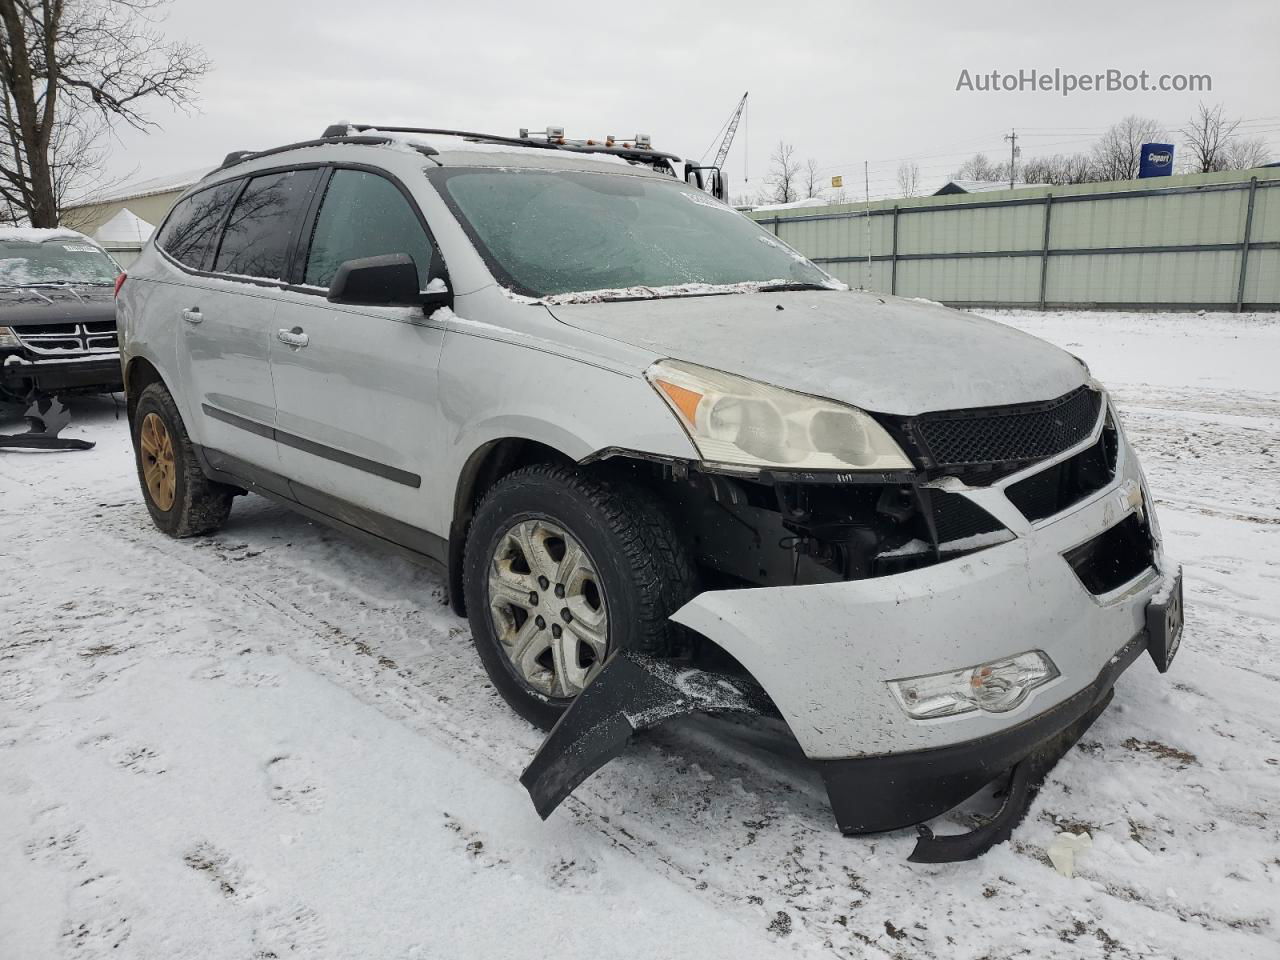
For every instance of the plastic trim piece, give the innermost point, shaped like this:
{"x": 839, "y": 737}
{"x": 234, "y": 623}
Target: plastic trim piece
{"x": 630, "y": 694}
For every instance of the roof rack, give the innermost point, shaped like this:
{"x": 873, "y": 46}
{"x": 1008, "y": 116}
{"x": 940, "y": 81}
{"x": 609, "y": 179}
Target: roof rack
{"x": 639, "y": 151}
{"x": 239, "y": 156}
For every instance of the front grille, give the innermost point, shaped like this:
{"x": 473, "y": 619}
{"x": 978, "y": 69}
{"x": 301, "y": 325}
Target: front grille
{"x": 1063, "y": 485}
{"x": 956, "y": 517}
{"x": 70, "y": 339}
{"x": 1114, "y": 557}
{"x": 1007, "y": 435}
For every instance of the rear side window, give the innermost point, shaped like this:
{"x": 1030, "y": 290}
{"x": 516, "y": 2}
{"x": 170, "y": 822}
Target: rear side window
{"x": 190, "y": 235}
{"x": 364, "y": 215}
{"x": 259, "y": 233}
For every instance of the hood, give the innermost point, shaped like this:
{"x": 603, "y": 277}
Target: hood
{"x": 883, "y": 354}
{"x": 45, "y": 306}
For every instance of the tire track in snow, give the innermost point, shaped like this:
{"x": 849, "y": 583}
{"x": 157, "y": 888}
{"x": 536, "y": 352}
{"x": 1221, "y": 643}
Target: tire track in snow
{"x": 435, "y": 687}
{"x": 377, "y": 676}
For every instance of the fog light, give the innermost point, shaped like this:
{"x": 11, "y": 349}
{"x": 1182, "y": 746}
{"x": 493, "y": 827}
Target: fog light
{"x": 994, "y": 687}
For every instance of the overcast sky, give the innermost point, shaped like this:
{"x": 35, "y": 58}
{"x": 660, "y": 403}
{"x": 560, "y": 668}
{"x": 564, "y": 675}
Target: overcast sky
{"x": 843, "y": 82}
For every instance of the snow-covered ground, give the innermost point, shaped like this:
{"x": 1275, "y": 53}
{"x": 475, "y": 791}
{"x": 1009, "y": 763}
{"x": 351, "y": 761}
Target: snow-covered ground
{"x": 276, "y": 743}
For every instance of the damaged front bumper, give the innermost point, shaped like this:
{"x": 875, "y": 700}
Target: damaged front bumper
{"x": 887, "y": 792}
{"x": 98, "y": 373}
{"x": 1089, "y": 588}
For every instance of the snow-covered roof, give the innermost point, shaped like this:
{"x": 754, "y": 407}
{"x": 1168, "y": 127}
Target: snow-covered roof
{"x": 39, "y": 234}
{"x": 125, "y": 227}
{"x": 794, "y": 204}
{"x": 171, "y": 183}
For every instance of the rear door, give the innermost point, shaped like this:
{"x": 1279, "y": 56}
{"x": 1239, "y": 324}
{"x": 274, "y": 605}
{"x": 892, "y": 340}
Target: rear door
{"x": 356, "y": 399}
{"x": 228, "y": 317}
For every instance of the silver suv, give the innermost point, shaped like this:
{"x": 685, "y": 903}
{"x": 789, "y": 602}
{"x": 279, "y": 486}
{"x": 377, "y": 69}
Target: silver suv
{"x": 634, "y": 427}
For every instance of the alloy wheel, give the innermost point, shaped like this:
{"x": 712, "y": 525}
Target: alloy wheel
{"x": 159, "y": 468}
{"x": 548, "y": 608}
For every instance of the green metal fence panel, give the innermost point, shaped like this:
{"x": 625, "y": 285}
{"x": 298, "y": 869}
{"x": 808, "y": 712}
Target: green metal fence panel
{"x": 1169, "y": 220}
{"x": 988, "y": 280}
{"x": 1210, "y": 240}
{"x": 1136, "y": 278}
{"x": 1263, "y": 277}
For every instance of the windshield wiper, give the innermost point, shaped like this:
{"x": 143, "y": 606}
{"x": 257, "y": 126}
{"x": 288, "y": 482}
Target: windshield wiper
{"x": 59, "y": 283}
{"x": 793, "y": 285}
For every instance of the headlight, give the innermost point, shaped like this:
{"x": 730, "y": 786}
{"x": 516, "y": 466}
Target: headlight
{"x": 8, "y": 338}
{"x": 734, "y": 420}
{"x": 994, "y": 687}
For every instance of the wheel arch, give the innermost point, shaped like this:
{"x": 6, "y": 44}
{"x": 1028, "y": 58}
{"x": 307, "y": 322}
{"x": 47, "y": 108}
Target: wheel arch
{"x": 138, "y": 375}
{"x": 486, "y": 465}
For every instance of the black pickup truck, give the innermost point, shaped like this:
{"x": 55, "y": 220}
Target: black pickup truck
{"x": 57, "y": 315}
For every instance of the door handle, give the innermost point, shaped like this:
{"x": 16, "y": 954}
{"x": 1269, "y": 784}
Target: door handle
{"x": 294, "y": 338}
{"x": 193, "y": 315}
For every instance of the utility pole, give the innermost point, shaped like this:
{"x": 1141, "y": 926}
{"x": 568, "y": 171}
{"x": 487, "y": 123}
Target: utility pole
{"x": 1012, "y": 137}
{"x": 866, "y": 188}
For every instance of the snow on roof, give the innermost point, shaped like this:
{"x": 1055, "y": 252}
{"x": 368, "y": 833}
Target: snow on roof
{"x": 39, "y": 234}
{"x": 794, "y": 204}
{"x": 124, "y": 227}
{"x": 145, "y": 188}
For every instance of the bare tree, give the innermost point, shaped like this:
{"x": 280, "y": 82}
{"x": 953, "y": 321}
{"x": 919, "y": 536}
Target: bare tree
{"x": 77, "y": 150}
{"x": 784, "y": 174}
{"x": 1245, "y": 153}
{"x": 1117, "y": 155}
{"x": 63, "y": 60}
{"x": 1060, "y": 169}
{"x": 1207, "y": 137}
{"x": 978, "y": 167}
{"x": 909, "y": 178}
{"x": 812, "y": 179}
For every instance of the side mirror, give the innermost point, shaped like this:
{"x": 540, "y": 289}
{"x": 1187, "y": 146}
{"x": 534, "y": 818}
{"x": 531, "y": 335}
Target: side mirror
{"x": 720, "y": 186}
{"x": 388, "y": 280}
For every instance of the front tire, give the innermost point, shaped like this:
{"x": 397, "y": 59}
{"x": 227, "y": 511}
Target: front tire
{"x": 182, "y": 501}
{"x": 560, "y": 570}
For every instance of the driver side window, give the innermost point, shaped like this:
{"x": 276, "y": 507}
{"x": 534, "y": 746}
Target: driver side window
{"x": 364, "y": 215}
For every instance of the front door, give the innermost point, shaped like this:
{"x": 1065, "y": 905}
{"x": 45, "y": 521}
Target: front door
{"x": 356, "y": 401}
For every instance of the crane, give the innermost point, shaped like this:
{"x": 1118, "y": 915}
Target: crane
{"x": 732, "y": 128}
{"x": 719, "y": 184}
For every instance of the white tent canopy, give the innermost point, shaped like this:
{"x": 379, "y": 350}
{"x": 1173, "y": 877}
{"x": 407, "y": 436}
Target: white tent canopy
{"x": 125, "y": 229}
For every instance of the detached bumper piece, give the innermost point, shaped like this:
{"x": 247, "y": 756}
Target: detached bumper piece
{"x": 46, "y": 417}
{"x": 632, "y": 693}
{"x": 873, "y": 794}
{"x": 867, "y": 794}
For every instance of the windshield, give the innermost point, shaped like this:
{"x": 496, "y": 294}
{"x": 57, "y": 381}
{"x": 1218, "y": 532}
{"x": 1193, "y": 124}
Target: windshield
{"x": 546, "y": 233}
{"x": 23, "y": 263}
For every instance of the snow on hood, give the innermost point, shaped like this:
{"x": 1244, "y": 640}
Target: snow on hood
{"x": 880, "y": 353}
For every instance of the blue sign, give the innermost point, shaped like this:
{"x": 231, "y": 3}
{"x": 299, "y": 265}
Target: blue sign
{"x": 1156, "y": 160}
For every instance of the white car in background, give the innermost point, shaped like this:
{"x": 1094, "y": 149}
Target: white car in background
{"x": 667, "y": 463}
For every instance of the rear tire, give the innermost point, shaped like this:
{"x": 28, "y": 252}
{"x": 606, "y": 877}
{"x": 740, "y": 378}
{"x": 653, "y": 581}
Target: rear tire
{"x": 633, "y": 573}
{"x": 182, "y": 501}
